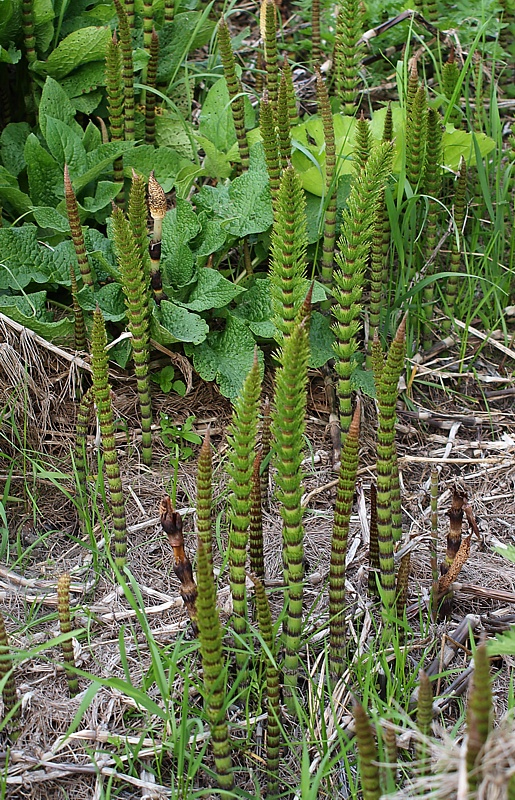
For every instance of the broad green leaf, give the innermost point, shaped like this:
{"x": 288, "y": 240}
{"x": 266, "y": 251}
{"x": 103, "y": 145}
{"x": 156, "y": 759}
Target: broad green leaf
{"x": 171, "y": 323}
{"x": 66, "y": 146}
{"x": 92, "y": 138}
{"x": 164, "y": 161}
{"x": 29, "y": 310}
{"x": 171, "y": 133}
{"x": 211, "y": 238}
{"x": 216, "y": 122}
{"x": 109, "y": 298}
{"x": 55, "y": 103}
{"x": 101, "y": 255}
{"x": 10, "y": 55}
{"x": 105, "y": 191}
{"x": 49, "y": 217}
{"x": 6, "y": 15}
{"x": 87, "y": 103}
{"x": 186, "y": 32}
{"x": 212, "y": 290}
{"x": 62, "y": 257}
{"x": 226, "y": 356}
{"x": 80, "y": 47}
{"x": 457, "y": 144}
{"x": 363, "y": 379}
{"x": 22, "y": 259}
{"x": 44, "y": 173}
{"x": 11, "y": 196}
{"x": 180, "y": 225}
{"x": 12, "y": 142}
{"x": 321, "y": 340}
{"x": 85, "y": 79}
{"x": 100, "y": 160}
{"x": 256, "y": 309}
{"x": 244, "y": 206}
{"x": 216, "y": 163}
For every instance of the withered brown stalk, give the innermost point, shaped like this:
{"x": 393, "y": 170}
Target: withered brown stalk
{"x": 171, "y": 522}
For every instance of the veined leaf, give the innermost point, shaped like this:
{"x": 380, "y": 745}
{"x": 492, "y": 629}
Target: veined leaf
{"x": 44, "y": 173}
{"x": 80, "y": 47}
{"x": 29, "y": 310}
{"x": 171, "y": 323}
{"x": 109, "y": 298}
{"x": 212, "y": 290}
{"x": 23, "y": 259}
{"x": 12, "y": 142}
{"x": 55, "y": 103}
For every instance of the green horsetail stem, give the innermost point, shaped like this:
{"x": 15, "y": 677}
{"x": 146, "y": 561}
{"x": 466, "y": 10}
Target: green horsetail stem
{"x": 368, "y": 754}
{"x": 257, "y": 560}
{"x": 288, "y": 425}
{"x": 169, "y": 10}
{"x": 65, "y": 625}
{"x": 416, "y": 138}
{"x": 270, "y": 146}
{"x": 124, "y": 27}
{"x": 412, "y": 88}
{"x": 289, "y": 244}
{"x": 72, "y": 210}
{"x": 290, "y": 93}
{"x": 432, "y": 185}
{"x": 395, "y": 498}
{"x": 479, "y": 715}
{"x": 373, "y": 550}
{"x": 401, "y": 588}
{"x": 214, "y": 668}
{"x": 235, "y": 90}
{"x": 342, "y": 512}
{"x": 29, "y": 35}
{"x": 12, "y": 708}
{"x": 258, "y": 79}
{"x": 362, "y": 144}
{"x": 266, "y": 438}
{"x": 79, "y": 325}
{"x": 137, "y": 218}
{"x": 158, "y": 207}
{"x": 459, "y": 212}
{"x": 242, "y": 447}
{"x": 424, "y": 719}
{"x": 205, "y": 496}
{"x": 351, "y": 260}
{"x": 148, "y": 24}
{"x": 377, "y": 271}
{"x": 128, "y": 8}
{"x": 434, "y": 542}
{"x": 450, "y": 77}
{"x": 83, "y": 415}
{"x": 386, "y": 387}
{"x": 316, "y": 37}
{"x": 269, "y": 11}
{"x": 102, "y": 394}
{"x": 115, "y": 101}
{"x": 273, "y": 701}
{"x": 150, "y": 97}
{"x": 388, "y": 124}
{"x": 347, "y": 53}
{"x": 329, "y": 239}
{"x": 135, "y": 289}
{"x": 283, "y": 124}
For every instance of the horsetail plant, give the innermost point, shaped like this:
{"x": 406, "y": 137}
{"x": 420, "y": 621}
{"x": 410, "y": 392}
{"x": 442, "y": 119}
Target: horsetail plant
{"x": 235, "y": 92}
{"x": 115, "y": 101}
{"x": 124, "y": 27}
{"x": 79, "y": 325}
{"x": 214, "y": 669}
{"x": 269, "y": 35}
{"x": 289, "y": 243}
{"x": 288, "y": 424}
{"x": 424, "y": 719}
{"x": 459, "y": 215}
{"x": 434, "y": 542}
{"x": 347, "y": 53}
{"x": 329, "y": 238}
{"x": 257, "y": 561}
{"x": 283, "y": 124}
{"x": 273, "y": 732}
{"x": 135, "y": 289}
{"x": 401, "y": 587}
{"x": 148, "y": 25}
{"x": 128, "y": 8}
{"x": 102, "y": 395}
{"x": 351, "y": 260}
{"x": 416, "y": 137}
{"x": 150, "y": 97}
{"x": 479, "y": 715}
{"x": 395, "y": 498}
{"x": 270, "y": 146}
{"x": 65, "y": 625}
{"x": 171, "y": 522}
{"x": 316, "y": 38}
{"x": 266, "y": 435}
{"x": 362, "y": 143}
{"x": 342, "y": 512}
{"x": 205, "y": 496}
{"x": 242, "y": 446}
{"x": 29, "y": 33}
{"x": 137, "y": 219}
{"x": 432, "y": 182}
{"x": 72, "y": 210}
{"x": 12, "y": 709}
{"x": 83, "y": 415}
{"x": 157, "y": 206}
{"x": 386, "y": 388}
{"x": 368, "y": 754}
{"x": 290, "y": 93}
{"x": 450, "y": 78}
{"x": 169, "y": 10}
{"x": 373, "y": 549}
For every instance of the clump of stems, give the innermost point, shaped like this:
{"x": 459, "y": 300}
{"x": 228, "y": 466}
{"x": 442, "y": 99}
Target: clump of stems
{"x": 234, "y": 88}
{"x": 63, "y": 610}
{"x": 242, "y": 446}
{"x": 342, "y": 512}
{"x": 102, "y": 395}
{"x": 214, "y": 669}
{"x": 72, "y": 210}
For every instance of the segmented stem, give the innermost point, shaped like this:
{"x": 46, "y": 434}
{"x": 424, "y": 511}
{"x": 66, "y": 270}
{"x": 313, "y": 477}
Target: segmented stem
{"x": 171, "y": 523}
{"x": 288, "y": 424}
{"x": 29, "y": 36}
{"x": 242, "y": 447}
{"x": 432, "y": 186}
{"x": 257, "y": 560}
{"x": 205, "y": 496}
{"x": 266, "y": 437}
{"x": 169, "y": 10}
{"x": 342, "y": 512}
{"x": 102, "y": 394}
{"x": 368, "y": 755}
{"x": 402, "y": 584}
{"x": 271, "y": 56}
{"x": 416, "y": 137}
{"x": 424, "y": 718}
{"x": 235, "y": 90}
{"x": 316, "y": 38}
{"x": 283, "y": 124}
{"x": 83, "y": 415}
{"x": 79, "y": 325}
{"x": 115, "y": 102}
{"x": 150, "y": 97}
{"x": 270, "y": 146}
{"x": 395, "y": 498}
{"x": 363, "y": 143}
{"x": 63, "y": 610}
{"x": 373, "y": 552}
{"x": 347, "y": 53}
{"x": 459, "y": 211}
{"x": 329, "y": 238}
{"x": 148, "y": 25}
{"x": 479, "y": 715}
{"x": 273, "y": 733}
{"x": 72, "y": 210}
{"x": 214, "y": 669}
{"x": 124, "y": 26}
